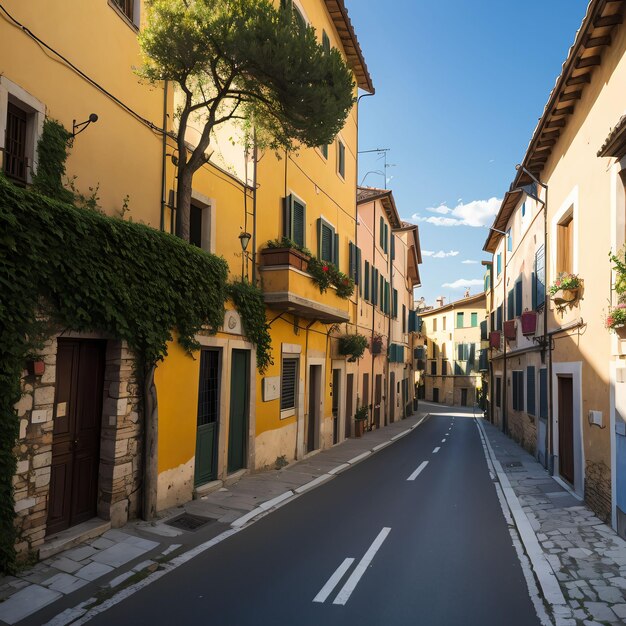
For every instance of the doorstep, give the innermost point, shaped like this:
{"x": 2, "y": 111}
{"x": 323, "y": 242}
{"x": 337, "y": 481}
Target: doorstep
{"x": 73, "y": 536}
{"x": 203, "y": 490}
{"x": 235, "y": 477}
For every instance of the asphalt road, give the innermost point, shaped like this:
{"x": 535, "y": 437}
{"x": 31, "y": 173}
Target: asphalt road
{"x": 430, "y": 551}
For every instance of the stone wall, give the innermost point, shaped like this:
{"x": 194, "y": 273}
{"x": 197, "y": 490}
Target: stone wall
{"x": 523, "y": 430}
{"x": 598, "y": 489}
{"x": 120, "y": 454}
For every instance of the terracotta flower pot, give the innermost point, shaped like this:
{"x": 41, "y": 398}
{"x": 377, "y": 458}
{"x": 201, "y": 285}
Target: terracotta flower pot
{"x": 359, "y": 428}
{"x": 565, "y": 296}
{"x": 285, "y": 256}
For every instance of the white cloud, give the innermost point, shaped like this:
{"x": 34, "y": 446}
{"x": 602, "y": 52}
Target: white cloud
{"x": 442, "y": 254}
{"x": 469, "y": 262}
{"x": 477, "y": 213}
{"x": 463, "y": 283}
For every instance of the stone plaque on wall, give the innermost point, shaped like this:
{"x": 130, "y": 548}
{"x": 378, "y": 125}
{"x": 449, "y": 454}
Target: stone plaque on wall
{"x": 271, "y": 388}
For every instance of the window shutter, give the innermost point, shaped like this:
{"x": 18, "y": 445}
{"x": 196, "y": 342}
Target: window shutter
{"x": 510, "y": 310}
{"x": 336, "y": 251}
{"x": 326, "y": 241}
{"x": 395, "y": 304}
{"x": 287, "y": 217}
{"x": 298, "y": 212}
{"x": 533, "y": 280}
{"x": 499, "y": 264}
{"x": 366, "y": 280}
{"x": 540, "y": 272}
{"x": 474, "y": 320}
{"x": 393, "y": 247}
{"x": 325, "y": 42}
{"x": 483, "y": 330}
{"x": 352, "y": 261}
{"x": 459, "y": 320}
{"x": 404, "y": 317}
{"x": 386, "y": 237}
{"x": 381, "y": 237}
{"x": 288, "y": 384}
{"x": 518, "y": 297}
{"x": 499, "y": 318}
{"x": 530, "y": 390}
{"x": 387, "y": 297}
{"x": 543, "y": 393}
{"x": 357, "y": 278}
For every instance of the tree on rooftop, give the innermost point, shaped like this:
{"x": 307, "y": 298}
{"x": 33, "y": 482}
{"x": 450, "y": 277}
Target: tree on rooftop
{"x": 243, "y": 60}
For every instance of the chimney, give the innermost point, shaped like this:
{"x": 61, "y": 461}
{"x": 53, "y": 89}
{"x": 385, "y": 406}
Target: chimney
{"x": 440, "y": 300}
{"x": 467, "y": 293}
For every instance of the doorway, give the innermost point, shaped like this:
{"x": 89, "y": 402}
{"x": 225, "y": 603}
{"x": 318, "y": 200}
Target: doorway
{"x": 336, "y": 395}
{"x": 208, "y": 417}
{"x": 392, "y": 400}
{"x": 315, "y": 387}
{"x": 464, "y": 396}
{"x": 566, "y": 427}
{"x": 435, "y": 394}
{"x": 378, "y": 394}
{"x": 76, "y": 435}
{"x": 349, "y": 407}
{"x": 239, "y": 406}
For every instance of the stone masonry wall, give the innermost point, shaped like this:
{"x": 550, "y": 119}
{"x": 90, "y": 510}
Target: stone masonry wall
{"x": 598, "y": 489}
{"x": 523, "y": 430}
{"x": 120, "y": 452}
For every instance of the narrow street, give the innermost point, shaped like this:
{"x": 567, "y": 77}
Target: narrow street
{"x": 421, "y": 527}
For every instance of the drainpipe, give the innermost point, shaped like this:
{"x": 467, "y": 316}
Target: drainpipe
{"x": 389, "y": 316}
{"x": 373, "y": 311}
{"x": 164, "y": 157}
{"x": 255, "y": 155}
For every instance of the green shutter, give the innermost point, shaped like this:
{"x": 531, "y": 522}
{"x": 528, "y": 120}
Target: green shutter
{"x": 510, "y": 308}
{"x": 298, "y": 212}
{"x": 326, "y": 241}
{"x": 341, "y": 165}
{"x": 357, "y": 279}
{"x": 459, "y": 320}
{"x": 540, "y": 277}
{"x": 325, "y": 42}
{"x": 518, "y": 297}
{"x": 393, "y": 247}
{"x": 366, "y": 280}
{"x": 381, "y": 238}
{"x": 351, "y": 260}
{"x": 395, "y": 303}
{"x": 336, "y": 251}
{"x": 474, "y": 320}
{"x": 386, "y": 237}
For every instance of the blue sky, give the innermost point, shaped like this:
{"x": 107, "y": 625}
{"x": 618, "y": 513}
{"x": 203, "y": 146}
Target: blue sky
{"x": 460, "y": 86}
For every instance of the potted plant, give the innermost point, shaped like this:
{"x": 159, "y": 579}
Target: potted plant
{"x": 360, "y": 417}
{"x": 565, "y": 288}
{"x": 616, "y": 320}
{"x": 352, "y": 346}
{"x": 285, "y": 251}
{"x": 376, "y": 344}
{"x": 325, "y": 275}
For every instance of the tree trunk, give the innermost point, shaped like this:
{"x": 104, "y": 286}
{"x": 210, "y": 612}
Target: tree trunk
{"x": 151, "y": 438}
{"x": 183, "y": 201}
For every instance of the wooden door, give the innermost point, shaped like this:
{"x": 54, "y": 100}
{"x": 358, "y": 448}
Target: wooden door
{"x": 315, "y": 387}
{"x": 336, "y": 395}
{"x": 566, "y": 428}
{"x": 464, "y": 396}
{"x": 378, "y": 395}
{"x": 76, "y": 434}
{"x": 435, "y": 394}
{"x": 349, "y": 407}
{"x": 208, "y": 417}
{"x": 392, "y": 396}
{"x": 239, "y": 403}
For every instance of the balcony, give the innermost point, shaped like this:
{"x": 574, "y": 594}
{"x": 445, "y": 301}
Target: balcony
{"x": 287, "y": 287}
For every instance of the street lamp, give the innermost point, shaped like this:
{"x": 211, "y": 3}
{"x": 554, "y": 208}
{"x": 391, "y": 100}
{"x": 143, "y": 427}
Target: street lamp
{"x": 244, "y": 240}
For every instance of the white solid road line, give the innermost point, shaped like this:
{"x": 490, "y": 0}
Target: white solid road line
{"x": 436, "y": 450}
{"x": 333, "y": 581}
{"x": 418, "y": 471}
{"x": 346, "y": 591}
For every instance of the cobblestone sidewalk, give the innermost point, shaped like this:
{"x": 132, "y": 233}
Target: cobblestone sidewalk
{"x": 61, "y": 589}
{"x": 587, "y": 556}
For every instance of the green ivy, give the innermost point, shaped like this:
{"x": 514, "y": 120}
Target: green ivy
{"x": 248, "y": 301}
{"x": 51, "y": 155}
{"x": 352, "y": 346}
{"x": 88, "y": 272}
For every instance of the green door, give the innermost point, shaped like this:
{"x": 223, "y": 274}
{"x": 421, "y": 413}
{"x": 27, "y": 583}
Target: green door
{"x": 239, "y": 401}
{"x": 208, "y": 417}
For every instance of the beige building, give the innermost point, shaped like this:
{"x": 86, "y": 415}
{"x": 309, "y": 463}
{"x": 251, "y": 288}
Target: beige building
{"x": 558, "y": 372}
{"x": 452, "y": 347}
{"x": 389, "y": 257}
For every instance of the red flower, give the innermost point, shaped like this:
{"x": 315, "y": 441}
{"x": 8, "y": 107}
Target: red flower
{"x": 325, "y": 268}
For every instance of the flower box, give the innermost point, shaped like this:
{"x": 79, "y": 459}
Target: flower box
{"x": 376, "y": 344}
{"x": 495, "y": 338}
{"x": 565, "y": 296}
{"x": 285, "y": 256}
{"x": 510, "y": 330}
{"x": 529, "y": 322}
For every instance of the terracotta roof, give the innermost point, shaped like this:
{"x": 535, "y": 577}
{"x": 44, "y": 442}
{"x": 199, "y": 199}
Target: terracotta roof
{"x": 509, "y": 204}
{"x": 615, "y": 144}
{"x": 369, "y": 194}
{"x": 456, "y": 303}
{"x": 593, "y": 36}
{"x": 351, "y": 47}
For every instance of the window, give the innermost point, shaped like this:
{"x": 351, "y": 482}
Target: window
{"x": 518, "y": 297}
{"x": 327, "y": 242}
{"x": 518, "y": 390}
{"x": 433, "y": 368}
{"x": 483, "y": 330}
{"x": 288, "y": 387}
{"x": 15, "y": 161}
{"x": 386, "y": 240}
{"x": 128, "y": 9}
{"x": 195, "y": 225}
{"x": 324, "y": 150}
{"x": 394, "y": 304}
{"x": 543, "y": 393}
{"x": 366, "y": 280}
{"x": 374, "y": 286}
{"x": 294, "y": 219}
{"x": 404, "y": 318}
{"x": 381, "y": 286}
{"x": 387, "y": 308}
{"x": 434, "y": 324}
{"x": 444, "y": 350}
{"x": 443, "y": 322}
{"x": 539, "y": 278}
{"x": 499, "y": 264}
{"x": 460, "y": 322}
{"x": 509, "y": 241}
{"x": 474, "y": 320}
{"x": 354, "y": 271}
{"x": 510, "y": 305}
{"x": 530, "y": 390}
{"x": 498, "y": 392}
{"x": 325, "y": 42}
{"x": 393, "y": 247}
{"x": 365, "y": 400}
{"x": 444, "y": 368}
{"x": 523, "y": 209}
{"x": 565, "y": 245}
{"x": 341, "y": 158}
{"x": 499, "y": 318}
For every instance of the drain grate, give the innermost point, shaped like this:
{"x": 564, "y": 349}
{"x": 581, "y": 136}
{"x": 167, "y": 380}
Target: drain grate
{"x": 187, "y": 521}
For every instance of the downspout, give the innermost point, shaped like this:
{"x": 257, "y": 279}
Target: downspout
{"x": 504, "y": 310}
{"x": 164, "y": 157}
{"x": 547, "y": 342}
{"x": 255, "y": 155}
{"x": 373, "y": 313}
{"x": 389, "y": 315}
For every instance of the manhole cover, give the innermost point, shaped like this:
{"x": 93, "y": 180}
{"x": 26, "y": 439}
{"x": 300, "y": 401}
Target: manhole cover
{"x": 187, "y": 521}
{"x": 513, "y": 464}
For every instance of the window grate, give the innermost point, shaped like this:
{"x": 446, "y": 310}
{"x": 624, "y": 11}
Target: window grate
{"x": 288, "y": 384}
{"x": 15, "y": 162}
{"x": 208, "y": 400}
{"x": 126, "y": 7}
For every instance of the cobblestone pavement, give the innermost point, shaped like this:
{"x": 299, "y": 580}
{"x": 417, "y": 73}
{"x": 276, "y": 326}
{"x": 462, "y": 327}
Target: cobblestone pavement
{"x": 587, "y": 556}
{"x": 61, "y": 589}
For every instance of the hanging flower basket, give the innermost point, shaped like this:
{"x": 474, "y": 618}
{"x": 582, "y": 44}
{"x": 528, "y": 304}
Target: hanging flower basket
{"x": 352, "y": 346}
{"x": 616, "y": 320}
{"x": 565, "y": 289}
{"x": 510, "y": 329}
{"x": 495, "y": 337}
{"x": 376, "y": 344}
{"x": 529, "y": 322}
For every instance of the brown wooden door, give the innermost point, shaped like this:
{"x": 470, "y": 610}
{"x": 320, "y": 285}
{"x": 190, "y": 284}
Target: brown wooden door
{"x": 315, "y": 386}
{"x": 76, "y": 434}
{"x": 566, "y": 428}
{"x": 392, "y": 396}
{"x": 378, "y": 394}
{"x": 349, "y": 407}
